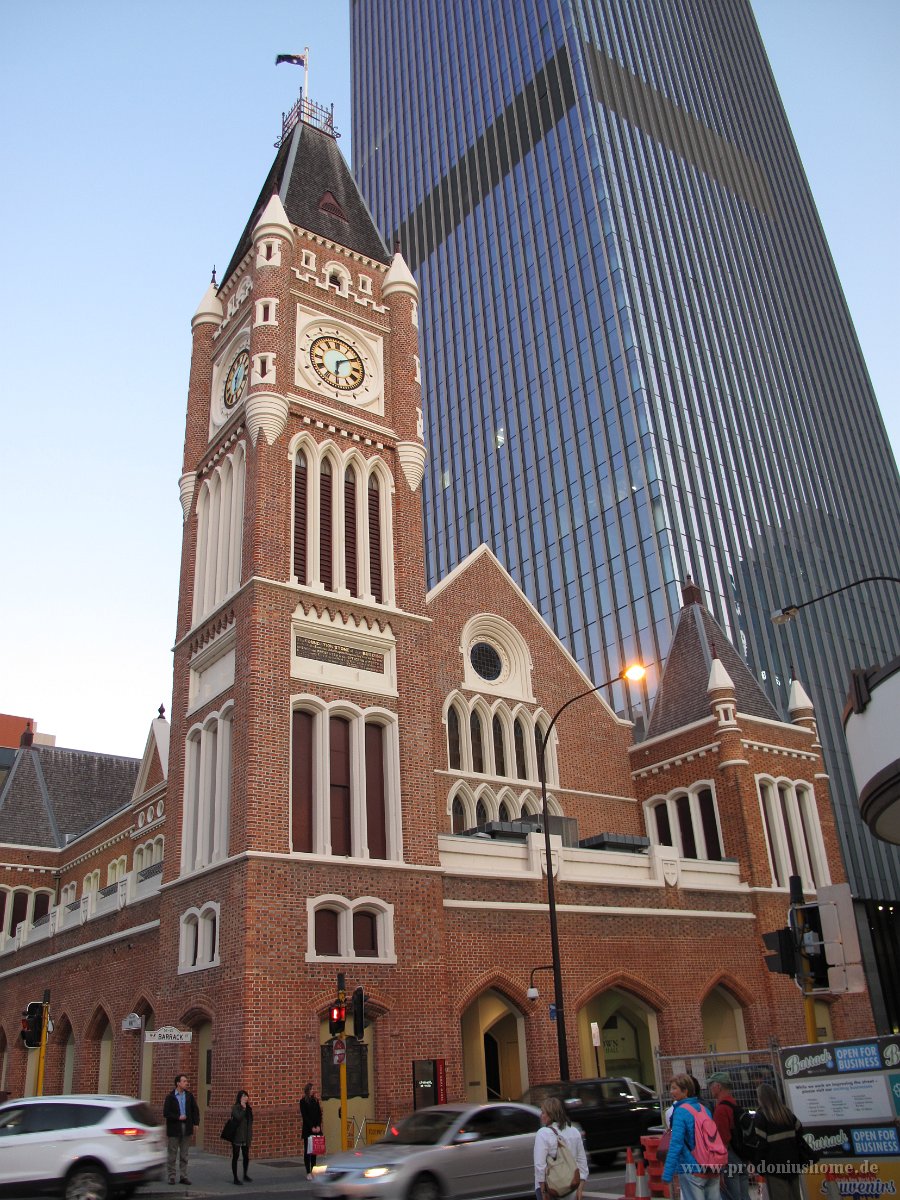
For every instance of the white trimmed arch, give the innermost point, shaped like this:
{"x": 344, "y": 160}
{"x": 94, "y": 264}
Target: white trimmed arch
{"x": 514, "y": 679}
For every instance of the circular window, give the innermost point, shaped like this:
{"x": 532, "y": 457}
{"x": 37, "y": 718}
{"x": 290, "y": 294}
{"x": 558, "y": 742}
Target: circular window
{"x": 486, "y": 661}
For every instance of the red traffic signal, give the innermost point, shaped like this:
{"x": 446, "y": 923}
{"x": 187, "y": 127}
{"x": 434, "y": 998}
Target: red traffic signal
{"x": 336, "y": 1017}
{"x": 33, "y": 1024}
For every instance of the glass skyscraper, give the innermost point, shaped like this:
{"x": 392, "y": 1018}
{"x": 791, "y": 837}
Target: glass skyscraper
{"x": 638, "y": 362}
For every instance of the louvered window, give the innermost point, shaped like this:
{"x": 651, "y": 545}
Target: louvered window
{"x": 499, "y": 752}
{"x": 350, "y": 549}
{"x": 453, "y": 751}
{"x": 302, "y": 781}
{"x": 375, "y": 806}
{"x": 339, "y": 762}
{"x": 301, "y": 501}
{"x": 375, "y": 571}
{"x": 326, "y": 494}
{"x": 519, "y": 740}
{"x": 477, "y": 743}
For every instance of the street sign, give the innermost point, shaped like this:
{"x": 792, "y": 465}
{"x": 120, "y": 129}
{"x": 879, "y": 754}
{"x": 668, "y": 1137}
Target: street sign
{"x": 339, "y": 1051}
{"x": 168, "y": 1034}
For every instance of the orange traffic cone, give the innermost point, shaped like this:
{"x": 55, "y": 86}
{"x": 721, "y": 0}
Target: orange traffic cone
{"x": 642, "y": 1191}
{"x": 630, "y": 1176}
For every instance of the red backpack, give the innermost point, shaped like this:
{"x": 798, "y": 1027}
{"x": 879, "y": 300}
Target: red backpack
{"x": 708, "y": 1149}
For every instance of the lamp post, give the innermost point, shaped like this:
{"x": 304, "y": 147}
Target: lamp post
{"x": 781, "y": 616}
{"x": 633, "y": 674}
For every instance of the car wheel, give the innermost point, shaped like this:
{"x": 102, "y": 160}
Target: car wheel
{"x": 87, "y": 1183}
{"x": 425, "y": 1187}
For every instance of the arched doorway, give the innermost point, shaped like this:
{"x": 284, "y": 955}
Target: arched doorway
{"x": 203, "y": 1034}
{"x": 494, "y": 1062}
{"x": 723, "y": 1022}
{"x": 626, "y": 1029}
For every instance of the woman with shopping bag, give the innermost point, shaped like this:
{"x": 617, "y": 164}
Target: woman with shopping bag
{"x": 311, "y": 1128}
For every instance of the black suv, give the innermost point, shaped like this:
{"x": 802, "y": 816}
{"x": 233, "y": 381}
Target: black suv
{"x": 613, "y": 1113}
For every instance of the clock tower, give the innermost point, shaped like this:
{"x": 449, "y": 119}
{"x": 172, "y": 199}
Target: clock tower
{"x": 303, "y": 818}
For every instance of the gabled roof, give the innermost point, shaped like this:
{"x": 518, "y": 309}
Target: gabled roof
{"x": 315, "y": 185}
{"x": 682, "y": 697}
{"x": 53, "y": 793}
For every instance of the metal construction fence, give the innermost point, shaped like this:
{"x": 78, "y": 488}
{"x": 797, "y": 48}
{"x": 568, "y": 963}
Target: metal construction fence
{"x": 746, "y": 1069}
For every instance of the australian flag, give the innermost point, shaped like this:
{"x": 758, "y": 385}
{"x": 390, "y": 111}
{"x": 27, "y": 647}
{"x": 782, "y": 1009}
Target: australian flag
{"x": 298, "y": 60}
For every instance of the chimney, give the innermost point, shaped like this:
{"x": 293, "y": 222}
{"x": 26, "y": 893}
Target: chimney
{"x": 27, "y": 738}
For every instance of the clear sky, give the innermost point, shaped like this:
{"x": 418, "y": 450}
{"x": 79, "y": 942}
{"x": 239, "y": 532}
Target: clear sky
{"x": 135, "y": 137}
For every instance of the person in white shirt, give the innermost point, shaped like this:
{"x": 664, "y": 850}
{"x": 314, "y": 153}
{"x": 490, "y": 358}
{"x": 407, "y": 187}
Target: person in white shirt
{"x": 556, "y": 1127}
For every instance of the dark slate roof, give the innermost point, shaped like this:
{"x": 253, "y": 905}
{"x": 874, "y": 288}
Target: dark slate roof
{"x": 682, "y": 696}
{"x": 51, "y": 792}
{"x": 309, "y": 165}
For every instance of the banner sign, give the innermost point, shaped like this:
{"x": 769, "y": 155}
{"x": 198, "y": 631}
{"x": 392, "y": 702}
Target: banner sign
{"x": 869, "y": 1179}
{"x": 840, "y": 1058}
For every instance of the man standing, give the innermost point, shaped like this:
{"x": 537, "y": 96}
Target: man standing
{"x": 181, "y": 1114}
{"x": 735, "y": 1184}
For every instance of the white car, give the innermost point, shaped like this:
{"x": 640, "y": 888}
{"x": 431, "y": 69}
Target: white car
{"x": 446, "y": 1152}
{"x": 80, "y": 1147}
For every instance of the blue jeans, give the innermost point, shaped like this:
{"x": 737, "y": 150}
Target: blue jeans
{"x": 735, "y": 1183}
{"x": 699, "y": 1187}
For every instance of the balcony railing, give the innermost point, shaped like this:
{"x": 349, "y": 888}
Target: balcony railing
{"x": 134, "y": 887}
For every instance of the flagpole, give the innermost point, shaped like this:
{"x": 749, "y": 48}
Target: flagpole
{"x": 306, "y": 73}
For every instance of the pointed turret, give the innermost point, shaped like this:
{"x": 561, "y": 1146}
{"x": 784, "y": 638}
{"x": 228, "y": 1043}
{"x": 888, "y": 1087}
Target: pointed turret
{"x": 399, "y": 279}
{"x": 209, "y": 310}
{"x": 801, "y": 707}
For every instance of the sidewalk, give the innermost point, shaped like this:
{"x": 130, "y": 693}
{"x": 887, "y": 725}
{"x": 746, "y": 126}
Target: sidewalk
{"x": 210, "y": 1175}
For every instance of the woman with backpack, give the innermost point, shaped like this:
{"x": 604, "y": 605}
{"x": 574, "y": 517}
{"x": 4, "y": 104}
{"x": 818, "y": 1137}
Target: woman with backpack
{"x": 779, "y": 1147}
{"x": 560, "y": 1163}
{"x": 697, "y": 1181}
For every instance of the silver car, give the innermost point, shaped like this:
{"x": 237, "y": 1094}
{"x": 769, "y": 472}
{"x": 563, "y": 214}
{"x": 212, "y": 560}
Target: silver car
{"x": 448, "y": 1152}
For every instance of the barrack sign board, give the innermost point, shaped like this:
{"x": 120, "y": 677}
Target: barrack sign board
{"x": 168, "y": 1035}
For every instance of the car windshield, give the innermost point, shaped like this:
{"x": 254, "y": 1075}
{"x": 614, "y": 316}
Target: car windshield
{"x": 422, "y": 1128}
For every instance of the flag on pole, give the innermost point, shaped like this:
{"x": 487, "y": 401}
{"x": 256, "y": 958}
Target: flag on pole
{"x": 298, "y": 60}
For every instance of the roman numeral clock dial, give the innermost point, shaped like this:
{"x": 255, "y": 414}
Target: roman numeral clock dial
{"x": 337, "y": 362}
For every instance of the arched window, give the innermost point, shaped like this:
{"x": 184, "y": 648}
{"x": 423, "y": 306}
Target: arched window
{"x": 365, "y": 934}
{"x": 301, "y": 503}
{"x": 302, "y": 798}
{"x": 41, "y": 905}
{"x": 793, "y": 833}
{"x": 710, "y": 825}
{"x": 326, "y": 509}
{"x": 350, "y": 549}
{"x": 686, "y": 827}
{"x": 453, "y": 749}
{"x": 477, "y": 743}
{"x": 519, "y": 740}
{"x": 499, "y": 751}
{"x": 327, "y": 931}
{"x": 504, "y": 811}
{"x": 481, "y": 814}
{"x": 457, "y": 816}
{"x": 339, "y": 776}
{"x": 663, "y": 828}
{"x": 375, "y": 569}
{"x": 376, "y": 830}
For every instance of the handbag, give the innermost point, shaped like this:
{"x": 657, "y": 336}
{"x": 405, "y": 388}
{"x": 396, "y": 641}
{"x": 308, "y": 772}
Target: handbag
{"x": 662, "y": 1146}
{"x": 229, "y": 1129}
{"x": 315, "y": 1144}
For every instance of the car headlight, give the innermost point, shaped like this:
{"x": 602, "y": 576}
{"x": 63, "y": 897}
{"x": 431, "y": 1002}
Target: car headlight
{"x": 379, "y": 1172}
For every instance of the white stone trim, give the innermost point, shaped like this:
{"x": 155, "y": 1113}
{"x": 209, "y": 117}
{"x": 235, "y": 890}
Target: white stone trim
{"x": 384, "y": 919}
{"x": 516, "y": 667}
{"x": 219, "y": 546}
{"x": 670, "y": 801}
{"x": 608, "y": 910}
{"x": 366, "y": 468}
{"x": 676, "y": 760}
{"x": 202, "y": 924}
{"x": 340, "y": 631}
{"x": 369, "y": 344}
{"x": 265, "y": 311}
{"x": 207, "y": 791}
{"x": 322, "y": 712}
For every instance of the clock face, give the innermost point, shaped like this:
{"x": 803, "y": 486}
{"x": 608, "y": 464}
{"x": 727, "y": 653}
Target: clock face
{"x": 337, "y": 362}
{"x": 236, "y": 380}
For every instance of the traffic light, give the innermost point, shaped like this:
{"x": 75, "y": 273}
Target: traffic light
{"x": 359, "y": 1014}
{"x": 783, "y": 957}
{"x": 33, "y": 1024}
{"x": 336, "y": 1017}
{"x": 806, "y": 920}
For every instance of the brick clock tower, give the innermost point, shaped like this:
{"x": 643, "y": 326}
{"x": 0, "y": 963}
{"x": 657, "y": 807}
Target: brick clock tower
{"x": 302, "y": 815}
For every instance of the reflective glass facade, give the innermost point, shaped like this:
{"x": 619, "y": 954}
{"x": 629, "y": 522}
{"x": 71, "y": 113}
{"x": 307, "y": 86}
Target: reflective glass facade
{"x": 637, "y": 360}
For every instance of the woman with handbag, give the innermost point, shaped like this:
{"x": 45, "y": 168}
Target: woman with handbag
{"x": 311, "y": 1122}
{"x": 240, "y": 1127}
{"x": 780, "y": 1150}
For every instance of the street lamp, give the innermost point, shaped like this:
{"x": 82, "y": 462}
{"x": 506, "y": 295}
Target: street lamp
{"x": 781, "y": 616}
{"x": 633, "y": 674}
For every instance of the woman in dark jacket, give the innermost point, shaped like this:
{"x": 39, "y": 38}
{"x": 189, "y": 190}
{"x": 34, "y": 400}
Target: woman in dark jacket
{"x": 242, "y": 1115}
{"x": 779, "y": 1148}
{"x": 311, "y": 1119}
